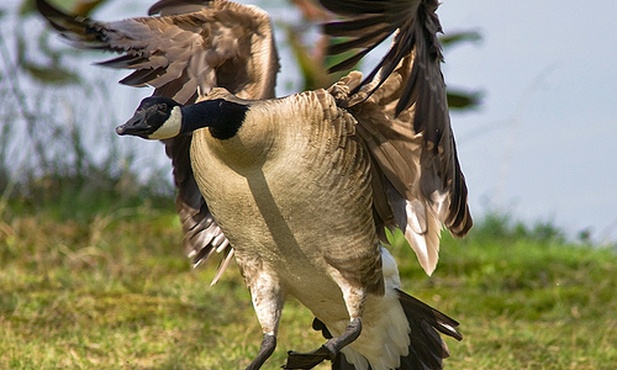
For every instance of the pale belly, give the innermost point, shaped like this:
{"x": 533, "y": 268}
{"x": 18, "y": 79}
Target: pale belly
{"x": 302, "y": 225}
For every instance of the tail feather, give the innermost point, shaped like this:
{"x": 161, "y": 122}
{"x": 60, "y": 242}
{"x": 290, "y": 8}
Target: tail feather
{"x": 340, "y": 363}
{"x": 426, "y": 350}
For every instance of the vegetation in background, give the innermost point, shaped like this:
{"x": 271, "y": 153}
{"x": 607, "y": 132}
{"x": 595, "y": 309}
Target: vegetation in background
{"x": 46, "y": 143}
{"x": 53, "y": 147}
{"x": 92, "y": 274}
{"x": 113, "y": 290}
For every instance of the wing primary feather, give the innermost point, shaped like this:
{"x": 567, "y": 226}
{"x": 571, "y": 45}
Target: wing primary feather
{"x": 354, "y": 7}
{"x": 172, "y": 7}
{"x": 223, "y": 266}
{"x": 349, "y": 62}
{"x": 128, "y": 61}
{"x": 142, "y": 76}
{"x": 368, "y": 40}
{"x": 350, "y": 28}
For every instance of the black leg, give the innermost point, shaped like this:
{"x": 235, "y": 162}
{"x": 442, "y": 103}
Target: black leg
{"x": 328, "y": 351}
{"x": 267, "y": 348}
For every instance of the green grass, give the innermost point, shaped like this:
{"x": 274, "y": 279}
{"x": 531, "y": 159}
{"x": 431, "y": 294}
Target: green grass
{"x": 111, "y": 289}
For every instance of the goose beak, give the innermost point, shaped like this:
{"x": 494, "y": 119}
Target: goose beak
{"x": 136, "y": 126}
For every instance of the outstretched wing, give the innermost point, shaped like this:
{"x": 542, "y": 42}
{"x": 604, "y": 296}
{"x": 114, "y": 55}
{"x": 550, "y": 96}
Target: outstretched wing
{"x": 415, "y": 26}
{"x": 218, "y": 43}
{"x": 418, "y": 183}
{"x": 192, "y": 47}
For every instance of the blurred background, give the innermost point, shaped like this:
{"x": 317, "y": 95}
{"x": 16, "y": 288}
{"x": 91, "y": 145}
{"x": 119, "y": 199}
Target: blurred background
{"x": 92, "y": 274}
{"x": 532, "y": 85}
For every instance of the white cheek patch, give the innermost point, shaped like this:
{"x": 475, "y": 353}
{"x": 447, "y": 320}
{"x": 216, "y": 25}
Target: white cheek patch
{"x": 171, "y": 127}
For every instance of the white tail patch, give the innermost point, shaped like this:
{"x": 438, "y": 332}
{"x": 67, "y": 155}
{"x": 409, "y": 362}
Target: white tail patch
{"x": 385, "y": 332}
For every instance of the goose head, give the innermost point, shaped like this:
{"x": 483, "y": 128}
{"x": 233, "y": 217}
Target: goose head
{"x": 159, "y": 118}
{"x": 156, "y": 118}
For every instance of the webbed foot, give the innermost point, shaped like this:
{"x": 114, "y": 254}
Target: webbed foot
{"x": 297, "y": 360}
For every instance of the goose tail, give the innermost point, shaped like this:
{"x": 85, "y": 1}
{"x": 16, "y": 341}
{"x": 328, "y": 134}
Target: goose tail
{"x": 426, "y": 349}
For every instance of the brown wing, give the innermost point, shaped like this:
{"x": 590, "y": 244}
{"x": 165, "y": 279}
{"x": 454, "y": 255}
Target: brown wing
{"x": 194, "y": 46}
{"x": 370, "y": 22}
{"x": 418, "y": 183}
{"x": 223, "y": 44}
{"x": 173, "y": 7}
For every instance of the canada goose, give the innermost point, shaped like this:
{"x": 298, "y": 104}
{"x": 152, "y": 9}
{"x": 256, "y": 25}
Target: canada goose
{"x": 303, "y": 186}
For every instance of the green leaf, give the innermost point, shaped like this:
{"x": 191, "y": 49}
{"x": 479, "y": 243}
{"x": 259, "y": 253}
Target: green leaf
{"x": 458, "y": 99}
{"x": 50, "y": 71}
{"x": 454, "y": 38}
{"x": 76, "y": 7}
{"x": 50, "y": 74}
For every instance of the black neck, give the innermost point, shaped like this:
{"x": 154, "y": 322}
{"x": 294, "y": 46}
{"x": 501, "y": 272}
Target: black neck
{"x": 224, "y": 118}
